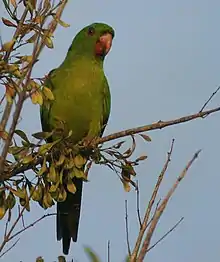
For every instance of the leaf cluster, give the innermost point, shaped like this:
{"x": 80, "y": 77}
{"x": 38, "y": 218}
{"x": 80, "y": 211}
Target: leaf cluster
{"x": 55, "y": 165}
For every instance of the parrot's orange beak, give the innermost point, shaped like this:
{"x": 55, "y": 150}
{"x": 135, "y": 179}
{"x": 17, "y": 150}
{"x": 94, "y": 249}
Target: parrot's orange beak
{"x": 104, "y": 44}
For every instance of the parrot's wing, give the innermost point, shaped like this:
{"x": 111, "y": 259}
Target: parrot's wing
{"x": 106, "y": 105}
{"x": 45, "y": 108}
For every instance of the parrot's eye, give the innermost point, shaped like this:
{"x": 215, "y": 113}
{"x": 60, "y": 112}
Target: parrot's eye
{"x": 91, "y": 31}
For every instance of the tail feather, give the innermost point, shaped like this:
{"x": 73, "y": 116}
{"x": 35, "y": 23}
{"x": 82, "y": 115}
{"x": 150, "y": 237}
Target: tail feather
{"x": 68, "y": 215}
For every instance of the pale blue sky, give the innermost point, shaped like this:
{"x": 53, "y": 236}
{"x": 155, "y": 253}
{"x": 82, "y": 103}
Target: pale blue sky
{"x": 164, "y": 63}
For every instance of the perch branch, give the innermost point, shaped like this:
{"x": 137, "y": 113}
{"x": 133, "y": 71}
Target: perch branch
{"x": 158, "y": 125}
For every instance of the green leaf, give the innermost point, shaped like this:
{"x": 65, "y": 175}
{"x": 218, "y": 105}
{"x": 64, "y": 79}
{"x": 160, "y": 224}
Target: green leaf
{"x": 118, "y": 145}
{"x": 2, "y": 211}
{"x": 146, "y": 137}
{"x": 48, "y": 93}
{"x": 48, "y": 42}
{"x": 79, "y": 161}
{"x": 36, "y": 193}
{"x": 69, "y": 163}
{"x": 77, "y": 173}
{"x": 61, "y": 259}
{"x": 15, "y": 150}
{"x": 22, "y": 135}
{"x": 62, "y": 23}
{"x": 60, "y": 161}
{"x": 36, "y": 98}
{"x": 43, "y": 168}
{"x": 141, "y": 158}
{"x": 20, "y": 192}
{"x": 62, "y": 194}
{"x": 53, "y": 188}
{"x": 47, "y": 200}
{"x": 46, "y": 147}
{"x": 8, "y": 22}
{"x": 27, "y": 159}
{"x": 71, "y": 187}
{"x": 4, "y": 135}
{"x": 10, "y": 200}
{"x": 39, "y": 259}
{"x": 42, "y": 135}
{"x": 25, "y": 201}
{"x": 91, "y": 254}
{"x": 52, "y": 176}
{"x": 32, "y": 39}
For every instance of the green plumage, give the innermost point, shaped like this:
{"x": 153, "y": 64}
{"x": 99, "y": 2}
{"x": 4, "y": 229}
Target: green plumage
{"x": 82, "y": 103}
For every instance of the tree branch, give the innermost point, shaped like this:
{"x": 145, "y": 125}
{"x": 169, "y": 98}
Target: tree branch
{"x": 161, "y": 209}
{"x": 154, "y": 126}
{"x": 31, "y": 225}
{"x": 158, "y": 125}
{"x": 167, "y": 233}
{"x": 145, "y": 222}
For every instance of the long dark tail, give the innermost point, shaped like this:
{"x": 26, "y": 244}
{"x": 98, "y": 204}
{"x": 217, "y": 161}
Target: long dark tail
{"x": 68, "y": 215}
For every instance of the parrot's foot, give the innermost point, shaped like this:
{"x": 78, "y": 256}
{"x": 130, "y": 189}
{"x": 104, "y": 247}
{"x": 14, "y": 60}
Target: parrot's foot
{"x": 89, "y": 142}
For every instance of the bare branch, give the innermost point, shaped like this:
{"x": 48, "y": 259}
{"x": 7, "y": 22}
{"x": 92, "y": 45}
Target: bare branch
{"x": 145, "y": 222}
{"x": 168, "y": 232}
{"x": 158, "y": 125}
{"x": 138, "y": 204}
{"x": 161, "y": 208}
{"x": 126, "y": 226}
{"x": 210, "y": 98}
{"x": 108, "y": 250}
{"x": 31, "y": 225}
{"x": 12, "y": 129}
{"x": 6, "y": 115}
{"x": 7, "y": 250}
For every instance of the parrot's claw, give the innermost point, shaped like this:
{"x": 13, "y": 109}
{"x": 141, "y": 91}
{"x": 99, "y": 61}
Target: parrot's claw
{"x": 89, "y": 142}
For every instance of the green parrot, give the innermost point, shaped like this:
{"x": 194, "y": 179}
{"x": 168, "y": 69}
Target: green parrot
{"x": 82, "y": 101}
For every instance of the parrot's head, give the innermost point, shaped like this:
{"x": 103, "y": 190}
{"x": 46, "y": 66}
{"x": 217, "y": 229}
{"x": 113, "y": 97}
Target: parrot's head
{"x": 94, "y": 40}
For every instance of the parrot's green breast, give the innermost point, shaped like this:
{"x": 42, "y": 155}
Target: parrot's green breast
{"x": 82, "y": 99}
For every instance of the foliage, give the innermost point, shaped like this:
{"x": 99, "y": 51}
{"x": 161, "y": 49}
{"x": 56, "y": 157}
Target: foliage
{"x": 33, "y": 23}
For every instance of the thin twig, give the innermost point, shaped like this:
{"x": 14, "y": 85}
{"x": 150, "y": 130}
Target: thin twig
{"x": 8, "y": 107}
{"x": 8, "y": 236}
{"x": 161, "y": 209}
{"x": 151, "y": 219}
{"x": 22, "y": 219}
{"x": 11, "y": 131}
{"x": 210, "y": 98}
{"x": 168, "y": 232}
{"x": 7, "y": 250}
{"x": 108, "y": 250}
{"x": 88, "y": 167}
{"x": 52, "y": 25}
{"x": 6, "y": 226}
{"x": 146, "y": 221}
{"x": 31, "y": 225}
{"x": 138, "y": 204}
{"x": 126, "y": 227}
{"x": 6, "y": 114}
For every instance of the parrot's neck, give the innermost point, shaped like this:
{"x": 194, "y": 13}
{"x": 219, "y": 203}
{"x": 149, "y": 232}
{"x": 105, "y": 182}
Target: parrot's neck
{"x": 72, "y": 58}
